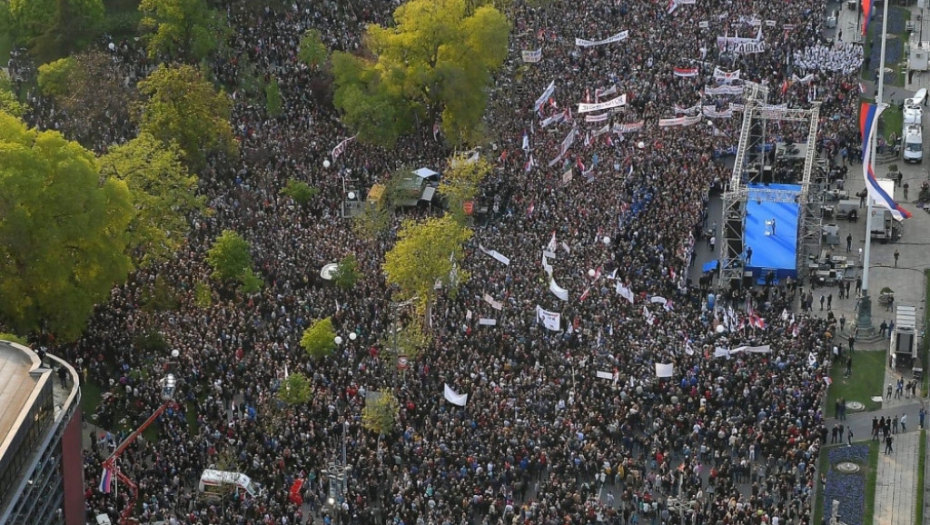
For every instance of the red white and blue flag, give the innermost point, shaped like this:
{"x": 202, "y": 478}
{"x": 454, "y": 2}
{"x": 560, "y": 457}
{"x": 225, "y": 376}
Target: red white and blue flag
{"x": 867, "y": 13}
{"x": 105, "y": 481}
{"x": 868, "y": 119}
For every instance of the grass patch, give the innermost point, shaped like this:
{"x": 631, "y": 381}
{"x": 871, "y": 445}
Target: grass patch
{"x": 868, "y": 377}
{"x": 925, "y": 343}
{"x": 892, "y": 120}
{"x": 91, "y": 395}
{"x": 921, "y": 467}
{"x": 870, "y": 482}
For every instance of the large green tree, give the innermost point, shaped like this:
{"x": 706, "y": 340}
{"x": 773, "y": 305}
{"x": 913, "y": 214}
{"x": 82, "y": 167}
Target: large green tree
{"x": 8, "y": 101}
{"x": 425, "y": 253}
{"x": 231, "y": 260}
{"x": 88, "y": 84}
{"x": 63, "y": 231}
{"x": 435, "y": 62}
{"x": 319, "y": 340}
{"x": 312, "y": 51}
{"x": 60, "y": 23}
{"x": 180, "y": 29}
{"x": 460, "y": 182}
{"x": 182, "y": 107}
{"x": 163, "y": 195}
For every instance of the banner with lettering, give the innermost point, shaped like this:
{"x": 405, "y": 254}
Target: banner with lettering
{"x": 711, "y": 112}
{"x": 622, "y": 35}
{"x": 723, "y": 90}
{"x": 629, "y": 127}
{"x": 680, "y": 121}
{"x": 597, "y": 118}
{"x": 612, "y": 103}
{"x": 531, "y": 57}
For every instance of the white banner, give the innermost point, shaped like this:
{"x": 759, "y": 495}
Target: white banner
{"x": 487, "y": 322}
{"x": 546, "y": 266}
{"x": 807, "y": 78}
{"x": 551, "y": 320}
{"x": 686, "y": 71}
{"x": 622, "y": 35}
{"x": 496, "y": 254}
{"x": 737, "y": 107}
{"x": 665, "y": 370}
{"x": 687, "y": 111}
{"x": 723, "y": 90}
{"x": 612, "y": 103}
{"x": 725, "y": 77}
{"x": 497, "y": 305}
{"x": 710, "y": 112}
{"x": 531, "y": 57}
{"x": 612, "y": 90}
{"x": 749, "y": 48}
{"x": 545, "y": 96}
{"x": 557, "y": 290}
{"x": 629, "y": 127}
{"x": 597, "y": 118}
{"x": 753, "y": 349}
{"x": 454, "y": 398}
{"x": 567, "y": 176}
{"x": 680, "y": 121}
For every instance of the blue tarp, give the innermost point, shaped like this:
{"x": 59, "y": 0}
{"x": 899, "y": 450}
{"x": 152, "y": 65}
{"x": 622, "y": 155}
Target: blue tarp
{"x": 710, "y": 266}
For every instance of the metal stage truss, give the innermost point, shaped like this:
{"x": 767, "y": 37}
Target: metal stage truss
{"x": 752, "y": 141}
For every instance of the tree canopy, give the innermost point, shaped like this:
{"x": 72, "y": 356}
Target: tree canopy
{"x": 163, "y": 195}
{"x": 380, "y": 412}
{"x": 8, "y": 101}
{"x": 312, "y": 50}
{"x": 61, "y": 21}
{"x": 88, "y": 84}
{"x": 182, "y": 107}
{"x": 319, "y": 340}
{"x": 63, "y": 231}
{"x": 346, "y": 274}
{"x": 461, "y": 180}
{"x": 295, "y": 390}
{"x": 180, "y": 29}
{"x": 231, "y": 260}
{"x": 433, "y": 64}
{"x": 424, "y": 253}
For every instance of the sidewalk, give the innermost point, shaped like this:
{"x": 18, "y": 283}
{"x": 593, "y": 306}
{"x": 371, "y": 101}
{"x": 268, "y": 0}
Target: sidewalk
{"x": 896, "y": 482}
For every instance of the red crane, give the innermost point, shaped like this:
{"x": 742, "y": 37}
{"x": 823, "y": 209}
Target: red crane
{"x": 167, "y": 394}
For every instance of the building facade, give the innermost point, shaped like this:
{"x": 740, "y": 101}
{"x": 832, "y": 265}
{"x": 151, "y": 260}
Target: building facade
{"x": 41, "y": 464}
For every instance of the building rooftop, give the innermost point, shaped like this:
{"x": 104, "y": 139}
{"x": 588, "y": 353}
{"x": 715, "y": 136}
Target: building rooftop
{"x": 20, "y": 376}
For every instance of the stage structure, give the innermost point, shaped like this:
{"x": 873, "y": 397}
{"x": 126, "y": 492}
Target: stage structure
{"x": 765, "y": 164}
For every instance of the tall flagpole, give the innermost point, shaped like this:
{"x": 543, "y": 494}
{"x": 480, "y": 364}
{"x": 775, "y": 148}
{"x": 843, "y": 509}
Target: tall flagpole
{"x": 864, "y": 319}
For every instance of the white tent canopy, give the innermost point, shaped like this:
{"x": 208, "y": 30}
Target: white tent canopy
{"x": 425, "y": 173}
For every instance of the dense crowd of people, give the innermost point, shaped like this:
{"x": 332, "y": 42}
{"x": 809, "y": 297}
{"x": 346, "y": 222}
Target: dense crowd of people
{"x": 731, "y": 437}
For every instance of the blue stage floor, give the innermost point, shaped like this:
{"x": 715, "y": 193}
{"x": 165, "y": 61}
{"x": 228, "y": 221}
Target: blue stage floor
{"x": 770, "y": 251}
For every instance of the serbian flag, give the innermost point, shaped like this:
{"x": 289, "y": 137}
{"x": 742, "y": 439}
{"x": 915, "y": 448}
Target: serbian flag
{"x": 686, "y": 71}
{"x": 867, "y": 13}
{"x": 672, "y": 6}
{"x": 105, "y": 481}
{"x": 868, "y": 119}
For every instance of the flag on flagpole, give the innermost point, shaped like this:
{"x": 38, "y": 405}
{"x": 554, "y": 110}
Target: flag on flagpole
{"x": 868, "y": 119}
{"x": 106, "y": 479}
{"x": 436, "y": 131}
{"x": 866, "y": 13}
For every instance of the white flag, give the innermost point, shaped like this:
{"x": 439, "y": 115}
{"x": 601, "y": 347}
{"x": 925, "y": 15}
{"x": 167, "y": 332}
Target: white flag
{"x": 664, "y": 370}
{"x": 454, "y": 398}
{"x": 496, "y": 254}
{"x": 557, "y": 290}
{"x": 546, "y": 266}
{"x": 545, "y": 96}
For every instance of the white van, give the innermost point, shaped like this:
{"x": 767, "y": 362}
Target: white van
{"x": 220, "y": 483}
{"x": 913, "y": 115}
{"x": 913, "y": 143}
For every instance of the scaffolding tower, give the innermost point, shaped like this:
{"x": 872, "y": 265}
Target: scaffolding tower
{"x": 752, "y": 145}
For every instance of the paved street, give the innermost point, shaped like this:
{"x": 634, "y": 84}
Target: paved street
{"x": 896, "y": 486}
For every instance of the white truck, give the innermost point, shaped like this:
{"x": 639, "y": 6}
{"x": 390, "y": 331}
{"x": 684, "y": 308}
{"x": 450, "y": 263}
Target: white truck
{"x": 218, "y": 483}
{"x": 913, "y": 143}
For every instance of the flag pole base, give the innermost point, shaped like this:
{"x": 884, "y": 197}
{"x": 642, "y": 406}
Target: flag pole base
{"x": 864, "y": 318}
